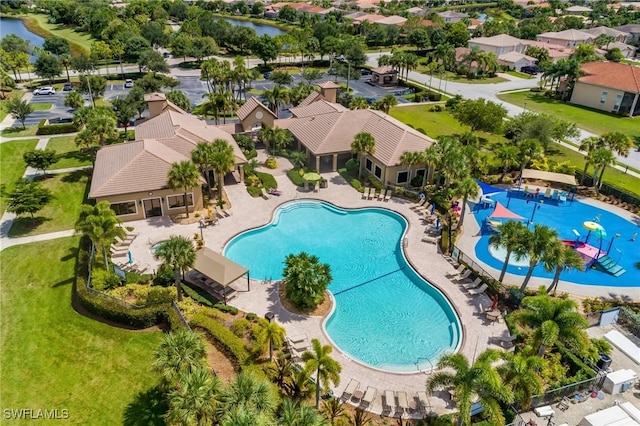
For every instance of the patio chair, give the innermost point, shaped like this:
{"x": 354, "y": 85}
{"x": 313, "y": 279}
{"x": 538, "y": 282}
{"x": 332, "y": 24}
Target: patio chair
{"x": 402, "y": 406}
{"x": 473, "y": 284}
{"x": 365, "y": 192}
{"x": 429, "y": 239}
{"x": 299, "y": 338}
{"x": 381, "y": 194}
{"x": 368, "y": 397}
{"x": 388, "y": 402}
{"x": 424, "y": 402}
{"x": 274, "y": 191}
{"x": 555, "y": 195}
{"x": 372, "y": 193}
{"x": 455, "y": 273}
{"x": 226, "y": 212}
{"x": 265, "y": 195}
{"x": 418, "y": 204}
{"x": 547, "y": 193}
{"x": 131, "y": 234}
{"x": 388, "y": 196}
{"x": 426, "y": 208}
{"x": 350, "y": 389}
{"x": 479, "y": 290}
{"x": 463, "y": 276}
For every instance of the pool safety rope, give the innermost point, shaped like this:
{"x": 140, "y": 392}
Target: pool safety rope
{"x": 367, "y": 282}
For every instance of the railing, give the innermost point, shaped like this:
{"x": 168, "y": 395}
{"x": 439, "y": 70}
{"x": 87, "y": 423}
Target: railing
{"x": 568, "y": 390}
{"x": 608, "y": 189}
{"x": 460, "y": 256}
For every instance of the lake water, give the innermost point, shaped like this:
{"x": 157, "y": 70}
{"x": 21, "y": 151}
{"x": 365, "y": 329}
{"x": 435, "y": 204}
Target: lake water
{"x": 15, "y": 26}
{"x": 258, "y": 28}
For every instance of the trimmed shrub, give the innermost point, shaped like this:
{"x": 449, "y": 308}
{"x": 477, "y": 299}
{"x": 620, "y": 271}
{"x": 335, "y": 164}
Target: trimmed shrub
{"x": 55, "y": 129}
{"x": 226, "y": 308}
{"x": 164, "y": 277}
{"x": 268, "y": 181}
{"x": 254, "y": 191}
{"x": 240, "y": 326}
{"x": 223, "y": 339}
{"x": 271, "y": 163}
{"x": 251, "y": 317}
{"x": 353, "y": 181}
{"x": 104, "y": 280}
{"x": 352, "y": 164}
{"x": 295, "y": 177}
{"x": 252, "y": 180}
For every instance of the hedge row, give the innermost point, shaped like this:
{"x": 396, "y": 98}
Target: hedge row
{"x": 352, "y": 180}
{"x": 267, "y": 179}
{"x": 56, "y": 129}
{"x": 630, "y": 320}
{"x": 109, "y": 309}
{"x": 295, "y": 177}
{"x": 224, "y": 339}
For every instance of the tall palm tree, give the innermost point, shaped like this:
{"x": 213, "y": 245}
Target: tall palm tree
{"x": 520, "y": 373}
{"x": 102, "y": 125}
{"x": 270, "y": 334}
{"x": 478, "y": 380}
{"x": 589, "y": 145}
{"x": 276, "y": 98}
{"x": 201, "y": 156}
{"x": 386, "y": 103}
{"x": 536, "y": 244}
{"x": 101, "y": 225}
{"x": 552, "y": 320}
{"x": 451, "y": 160}
{"x": 327, "y": 369}
{"x": 195, "y": 400}
{"x": 358, "y": 103}
{"x": 508, "y": 157}
{"x": 410, "y": 158}
{"x": 446, "y": 54}
{"x": 298, "y": 159}
{"x": 181, "y": 351}
{"x": 281, "y": 370}
{"x": 560, "y": 257}
{"x": 466, "y": 188}
{"x": 600, "y": 158}
{"x": 293, "y": 413}
{"x": 431, "y": 158}
{"x": 511, "y": 236}
{"x": 617, "y": 142}
{"x": 363, "y": 144}
{"x": 529, "y": 151}
{"x": 183, "y": 175}
{"x": 249, "y": 392}
{"x": 222, "y": 161}
{"x": 179, "y": 254}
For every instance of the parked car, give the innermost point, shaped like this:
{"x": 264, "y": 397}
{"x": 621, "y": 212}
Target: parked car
{"x": 67, "y": 87}
{"x": 531, "y": 69}
{"x": 365, "y": 71}
{"x": 48, "y": 90}
{"x": 370, "y": 83}
{"x": 166, "y": 55}
{"x": 128, "y": 83}
{"x": 267, "y": 75}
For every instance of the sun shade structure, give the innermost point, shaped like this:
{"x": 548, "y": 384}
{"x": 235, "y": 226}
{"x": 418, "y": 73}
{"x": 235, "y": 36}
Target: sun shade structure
{"x": 501, "y": 212}
{"x": 549, "y": 176}
{"x": 217, "y": 267}
{"x": 488, "y": 189}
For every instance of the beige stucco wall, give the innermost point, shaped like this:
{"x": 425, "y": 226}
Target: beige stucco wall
{"x": 251, "y": 119}
{"x": 589, "y": 95}
{"x": 498, "y": 50}
{"x": 162, "y": 194}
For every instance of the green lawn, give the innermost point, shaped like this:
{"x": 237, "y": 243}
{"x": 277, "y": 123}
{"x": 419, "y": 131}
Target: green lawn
{"x": 55, "y": 358}
{"x": 39, "y": 24}
{"x": 588, "y": 119}
{"x": 434, "y": 124}
{"x": 519, "y": 74}
{"x": 61, "y": 213}
{"x": 41, "y": 107}
{"x": 7, "y": 94}
{"x": 69, "y": 154}
{"x": 12, "y": 165}
{"x": 459, "y": 78}
{"x": 17, "y": 132}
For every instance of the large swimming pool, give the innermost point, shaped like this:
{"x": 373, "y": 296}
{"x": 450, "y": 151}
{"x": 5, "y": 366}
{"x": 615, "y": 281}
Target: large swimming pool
{"x": 385, "y": 316}
{"x": 565, "y": 218}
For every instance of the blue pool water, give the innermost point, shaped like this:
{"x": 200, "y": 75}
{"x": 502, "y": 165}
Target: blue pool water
{"x": 564, "y": 218}
{"x": 386, "y": 315}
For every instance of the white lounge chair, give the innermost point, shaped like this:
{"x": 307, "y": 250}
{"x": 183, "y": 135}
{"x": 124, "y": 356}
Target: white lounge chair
{"x": 473, "y": 284}
{"x": 418, "y": 204}
{"x": 368, "y": 397}
{"x": 350, "y": 389}
{"x": 455, "y": 273}
{"x": 372, "y": 193}
{"x": 316, "y": 187}
{"x": 426, "y": 208}
{"x": 478, "y": 290}
{"x": 424, "y": 402}
{"x": 381, "y": 194}
{"x": 463, "y": 276}
{"x": 365, "y": 193}
{"x": 389, "y": 194}
{"x": 402, "y": 406}
{"x": 544, "y": 411}
{"x": 389, "y": 402}
{"x": 265, "y": 195}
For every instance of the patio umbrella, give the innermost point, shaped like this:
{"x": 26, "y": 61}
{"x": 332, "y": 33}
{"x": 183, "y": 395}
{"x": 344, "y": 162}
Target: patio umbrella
{"x": 311, "y": 176}
{"x": 130, "y": 256}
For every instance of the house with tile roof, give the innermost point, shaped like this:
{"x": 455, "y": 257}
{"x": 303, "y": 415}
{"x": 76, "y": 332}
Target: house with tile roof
{"x": 609, "y": 86}
{"x": 632, "y": 29}
{"x": 569, "y": 38}
{"x": 133, "y": 176}
{"x": 451, "y": 16}
{"x": 620, "y": 36}
{"x": 516, "y": 60}
{"x": 498, "y": 44}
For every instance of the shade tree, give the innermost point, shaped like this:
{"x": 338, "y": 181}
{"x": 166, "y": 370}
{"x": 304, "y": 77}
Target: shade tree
{"x": 41, "y": 159}
{"x": 28, "y": 197}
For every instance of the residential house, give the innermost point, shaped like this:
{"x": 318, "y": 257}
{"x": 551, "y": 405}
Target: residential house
{"x": 451, "y": 16}
{"x": 609, "y": 86}
{"x": 416, "y": 11}
{"x": 498, "y": 44}
{"x": 555, "y": 51}
{"x": 577, "y": 10}
{"x": 619, "y": 36}
{"x": 628, "y": 51}
{"x": 516, "y": 60}
{"x": 633, "y": 30}
{"x": 368, "y": 17}
{"x": 569, "y": 38}
{"x": 133, "y": 176}
{"x": 384, "y": 76}
{"x": 392, "y": 20}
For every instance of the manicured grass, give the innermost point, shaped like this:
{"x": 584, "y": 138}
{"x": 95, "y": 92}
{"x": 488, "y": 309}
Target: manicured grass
{"x": 8, "y": 93}
{"x": 435, "y": 124}
{"x": 459, "y": 78}
{"x": 588, "y": 119}
{"x": 55, "y": 358}
{"x": 519, "y": 74}
{"x": 70, "y": 156}
{"x": 611, "y": 176}
{"x": 18, "y": 131}
{"x": 12, "y": 166}
{"x": 39, "y": 24}
{"x": 69, "y": 192}
{"x": 41, "y": 107}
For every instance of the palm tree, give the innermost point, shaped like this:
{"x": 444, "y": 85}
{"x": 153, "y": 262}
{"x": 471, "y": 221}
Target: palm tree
{"x": 294, "y": 413}
{"x": 195, "y": 400}
{"x": 271, "y": 334}
{"x": 299, "y": 385}
{"x": 452, "y": 161}
{"x": 529, "y": 150}
{"x": 552, "y": 320}
{"x": 466, "y": 188}
{"x": 281, "y": 370}
{"x": 201, "y": 156}
{"x": 249, "y": 392}
{"x": 223, "y": 160}
{"x": 183, "y": 175}
{"x": 276, "y": 97}
{"x": 65, "y": 61}
{"x": 600, "y": 158}
{"x": 358, "y": 103}
{"x": 431, "y": 158}
{"x": 560, "y": 257}
{"x": 386, "y": 103}
{"x": 512, "y": 237}
{"x": 589, "y": 145}
{"x": 102, "y": 125}
{"x": 181, "y": 352}
{"x": 536, "y": 244}
{"x": 179, "y": 254}
{"x": 446, "y": 54}
{"x": 508, "y": 157}
{"x": 411, "y": 159}
{"x": 298, "y": 159}
{"x": 101, "y": 225}
{"x": 361, "y": 418}
{"x": 617, "y": 142}
{"x": 520, "y": 373}
{"x": 479, "y": 380}
{"x": 363, "y": 144}
{"x": 326, "y": 368}
{"x": 333, "y": 410}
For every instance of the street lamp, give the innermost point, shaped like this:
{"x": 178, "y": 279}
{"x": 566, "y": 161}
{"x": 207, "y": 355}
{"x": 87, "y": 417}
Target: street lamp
{"x": 348, "y": 73}
{"x": 534, "y": 210}
{"x": 611, "y": 243}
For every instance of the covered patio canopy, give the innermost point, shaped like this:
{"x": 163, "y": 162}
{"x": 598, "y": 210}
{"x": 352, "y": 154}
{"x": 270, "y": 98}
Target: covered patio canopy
{"x": 501, "y": 212}
{"x": 549, "y": 176}
{"x": 217, "y": 267}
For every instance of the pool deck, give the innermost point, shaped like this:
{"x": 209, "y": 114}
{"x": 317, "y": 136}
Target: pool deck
{"x": 248, "y": 212}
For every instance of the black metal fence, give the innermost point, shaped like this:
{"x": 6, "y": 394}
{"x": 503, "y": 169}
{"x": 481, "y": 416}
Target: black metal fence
{"x": 556, "y": 395}
{"x": 460, "y": 256}
{"x": 608, "y": 189}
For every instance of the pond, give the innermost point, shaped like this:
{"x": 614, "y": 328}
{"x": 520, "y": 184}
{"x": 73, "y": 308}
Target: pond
{"x": 260, "y": 29}
{"x": 15, "y": 26}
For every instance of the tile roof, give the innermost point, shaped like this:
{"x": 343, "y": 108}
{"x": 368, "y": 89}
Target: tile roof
{"x": 500, "y": 40}
{"x": 250, "y": 106}
{"x": 612, "y": 74}
{"x": 605, "y": 30}
{"x": 571, "y": 35}
{"x": 578, "y": 9}
{"x": 384, "y": 70}
{"x": 328, "y": 85}
{"x": 326, "y": 130}
{"x": 392, "y": 20}
{"x": 515, "y": 57}
{"x": 629, "y": 28}
{"x": 313, "y": 96}
{"x": 452, "y": 14}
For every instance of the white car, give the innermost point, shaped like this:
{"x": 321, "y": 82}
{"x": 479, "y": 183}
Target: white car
{"x": 128, "y": 83}
{"x": 44, "y": 91}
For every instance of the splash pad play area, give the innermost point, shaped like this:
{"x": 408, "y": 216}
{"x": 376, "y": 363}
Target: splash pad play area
{"x": 605, "y": 241}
